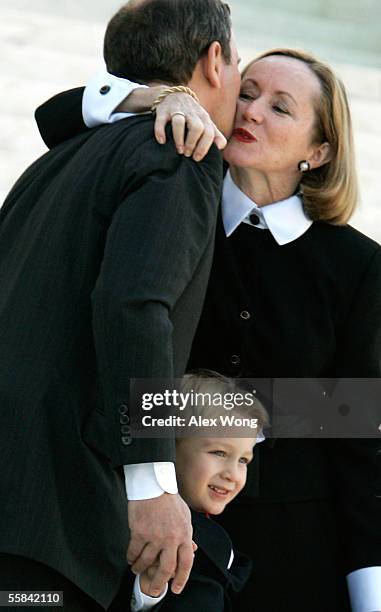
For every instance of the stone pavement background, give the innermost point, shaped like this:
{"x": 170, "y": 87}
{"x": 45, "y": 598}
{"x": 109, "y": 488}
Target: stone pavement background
{"x": 46, "y": 46}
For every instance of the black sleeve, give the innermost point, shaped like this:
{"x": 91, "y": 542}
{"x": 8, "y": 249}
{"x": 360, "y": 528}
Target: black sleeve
{"x": 357, "y": 462}
{"x": 204, "y": 591}
{"x": 359, "y": 339}
{"x": 60, "y": 118}
{"x": 155, "y": 244}
{"x": 208, "y": 589}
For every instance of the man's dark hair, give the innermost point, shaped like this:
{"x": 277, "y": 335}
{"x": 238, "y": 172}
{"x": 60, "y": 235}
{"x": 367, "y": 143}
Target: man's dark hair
{"x": 162, "y": 40}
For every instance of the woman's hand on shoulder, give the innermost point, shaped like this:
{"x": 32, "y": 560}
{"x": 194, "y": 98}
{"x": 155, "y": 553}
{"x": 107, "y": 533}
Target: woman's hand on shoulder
{"x": 193, "y": 130}
{"x": 182, "y": 111}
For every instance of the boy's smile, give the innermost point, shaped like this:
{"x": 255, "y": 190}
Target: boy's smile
{"x": 212, "y": 471}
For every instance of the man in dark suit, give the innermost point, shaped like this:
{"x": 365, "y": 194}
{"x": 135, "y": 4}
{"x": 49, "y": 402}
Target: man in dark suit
{"x": 105, "y": 252}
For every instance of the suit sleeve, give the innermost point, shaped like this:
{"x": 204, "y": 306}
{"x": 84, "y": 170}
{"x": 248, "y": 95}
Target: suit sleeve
{"x": 205, "y": 590}
{"x": 155, "y": 245}
{"x": 60, "y": 118}
{"x": 357, "y": 462}
{"x": 209, "y": 588}
{"x": 210, "y": 583}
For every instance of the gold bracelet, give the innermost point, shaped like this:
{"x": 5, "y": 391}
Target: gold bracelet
{"x": 170, "y": 90}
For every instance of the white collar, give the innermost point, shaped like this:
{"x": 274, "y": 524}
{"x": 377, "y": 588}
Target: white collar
{"x": 285, "y": 219}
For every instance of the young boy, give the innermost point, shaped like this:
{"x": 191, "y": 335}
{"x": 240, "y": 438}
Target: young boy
{"x": 211, "y": 471}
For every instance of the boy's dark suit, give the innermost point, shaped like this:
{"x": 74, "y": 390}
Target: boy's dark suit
{"x": 315, "y": 312}
{"x": 211, "y": 584}
{"x": 106, "y": 244}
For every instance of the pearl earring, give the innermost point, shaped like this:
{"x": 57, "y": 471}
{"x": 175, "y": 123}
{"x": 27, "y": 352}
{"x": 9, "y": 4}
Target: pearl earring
{"x": 304, "y": 166}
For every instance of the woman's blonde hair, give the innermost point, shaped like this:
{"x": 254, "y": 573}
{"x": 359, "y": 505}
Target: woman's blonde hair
{"x": 330, "y": 193}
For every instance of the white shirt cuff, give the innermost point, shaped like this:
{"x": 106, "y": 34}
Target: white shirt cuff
{"x": 102, "y": 96}
{"x": 150, "y": 480}
{"x": 365, "y": 589}
{"x": 140, "y": 601}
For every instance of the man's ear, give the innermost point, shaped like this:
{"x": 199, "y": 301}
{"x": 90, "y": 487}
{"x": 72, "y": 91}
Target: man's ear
{"x": 212, "y": 64}
{"x": 322, "y": 155}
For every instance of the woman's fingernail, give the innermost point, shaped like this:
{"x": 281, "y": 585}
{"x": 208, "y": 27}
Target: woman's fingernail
{"x": 180, "y": 150}
{"x": 176, "y": 589}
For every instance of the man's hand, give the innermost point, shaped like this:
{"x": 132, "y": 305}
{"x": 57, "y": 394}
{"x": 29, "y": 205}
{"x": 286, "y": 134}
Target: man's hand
{"x": 147, "y": 576}
{"x": 161, "y": 531}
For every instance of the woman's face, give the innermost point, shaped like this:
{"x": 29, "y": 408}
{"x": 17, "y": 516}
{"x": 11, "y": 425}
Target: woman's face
{"x": 274, "y": 124}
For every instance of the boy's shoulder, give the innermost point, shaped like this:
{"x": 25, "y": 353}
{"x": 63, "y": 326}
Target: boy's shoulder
{"x": 216, "y": 546}
{"x": 213, "y": 540}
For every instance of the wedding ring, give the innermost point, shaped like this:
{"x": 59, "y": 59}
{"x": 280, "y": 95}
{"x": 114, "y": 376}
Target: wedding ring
{"x": 178, "y": 113}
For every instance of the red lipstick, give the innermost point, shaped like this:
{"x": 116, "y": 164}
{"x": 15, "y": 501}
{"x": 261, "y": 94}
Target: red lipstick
{"x": 244, "y": 136}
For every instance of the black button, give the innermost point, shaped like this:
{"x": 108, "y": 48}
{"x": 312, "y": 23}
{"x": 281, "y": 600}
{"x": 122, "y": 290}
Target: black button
{"x": 344, "y": 410}
{"x": 123, "y": 409}
{"x": 126, "y": 440}
{"x": 235, "y": 359}
{"x": 245, "y": 314}
{"x": 124, "y": 419}
{"x": 125, "y": 429}
{"x": 254, "y": 219}
{"x": 104, "y": 89}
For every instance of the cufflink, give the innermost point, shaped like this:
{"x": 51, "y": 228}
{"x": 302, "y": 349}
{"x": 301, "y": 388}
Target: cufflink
{"x": 104, "y": 89}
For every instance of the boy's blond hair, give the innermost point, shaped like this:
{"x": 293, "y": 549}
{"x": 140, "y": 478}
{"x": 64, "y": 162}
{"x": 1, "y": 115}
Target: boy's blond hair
{"x": 205, "y": 385}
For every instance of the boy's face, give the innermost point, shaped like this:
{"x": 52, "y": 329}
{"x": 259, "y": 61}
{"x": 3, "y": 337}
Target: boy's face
{"x": 212, "y": 471}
